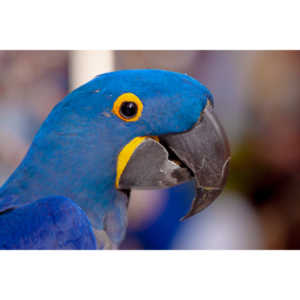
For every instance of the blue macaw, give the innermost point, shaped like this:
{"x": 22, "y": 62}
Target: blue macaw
{"x": 122, "y": 130}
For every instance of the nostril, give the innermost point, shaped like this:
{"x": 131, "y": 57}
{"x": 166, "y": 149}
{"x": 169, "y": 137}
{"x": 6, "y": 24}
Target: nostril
{"x": 210, "y": 98}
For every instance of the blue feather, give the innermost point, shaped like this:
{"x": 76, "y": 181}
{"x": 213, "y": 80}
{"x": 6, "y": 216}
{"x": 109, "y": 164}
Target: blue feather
{"x": 48, "y": 223}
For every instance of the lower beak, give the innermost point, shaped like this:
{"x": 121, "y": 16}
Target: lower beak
{"x": 201, "y": 154}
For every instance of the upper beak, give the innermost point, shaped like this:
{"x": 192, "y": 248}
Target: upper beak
{"x": 201, "y": 153}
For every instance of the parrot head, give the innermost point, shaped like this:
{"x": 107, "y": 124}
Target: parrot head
{"x": 124, "y": 130}
{"x": 172, "y": 134}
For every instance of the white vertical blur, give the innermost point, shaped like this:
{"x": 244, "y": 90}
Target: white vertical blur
{"x": 85, "y": 65}
{"x": 229, "y": 223}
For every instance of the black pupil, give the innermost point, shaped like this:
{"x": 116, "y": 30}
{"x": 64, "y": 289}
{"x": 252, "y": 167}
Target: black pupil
{"x": 128, "y": 109}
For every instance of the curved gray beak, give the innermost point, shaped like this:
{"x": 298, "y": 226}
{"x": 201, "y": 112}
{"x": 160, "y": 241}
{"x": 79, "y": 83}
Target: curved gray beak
{"x": 201, "y": 154}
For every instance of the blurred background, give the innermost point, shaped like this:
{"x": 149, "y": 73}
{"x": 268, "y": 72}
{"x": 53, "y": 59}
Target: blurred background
{"x": 257, "y": 99}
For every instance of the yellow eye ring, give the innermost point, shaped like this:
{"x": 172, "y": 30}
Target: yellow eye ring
{"x": 128, "y": 107}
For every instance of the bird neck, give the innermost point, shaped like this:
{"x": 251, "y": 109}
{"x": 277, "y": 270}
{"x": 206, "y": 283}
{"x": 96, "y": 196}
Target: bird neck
{"x": 63, "y": 165}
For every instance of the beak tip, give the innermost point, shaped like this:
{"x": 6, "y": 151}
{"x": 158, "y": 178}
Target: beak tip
{"x": 185, "y": 217}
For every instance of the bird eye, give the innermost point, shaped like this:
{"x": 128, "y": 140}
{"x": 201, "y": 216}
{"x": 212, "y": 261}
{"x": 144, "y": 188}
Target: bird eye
{"x": 128, "y": 107}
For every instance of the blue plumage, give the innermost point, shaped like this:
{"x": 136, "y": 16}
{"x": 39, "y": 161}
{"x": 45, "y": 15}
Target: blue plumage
{"x": 48, "y": 223}
{"x": 74, "y": 155}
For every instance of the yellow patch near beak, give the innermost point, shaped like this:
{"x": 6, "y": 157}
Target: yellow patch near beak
{"x": 126, "y": 154}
